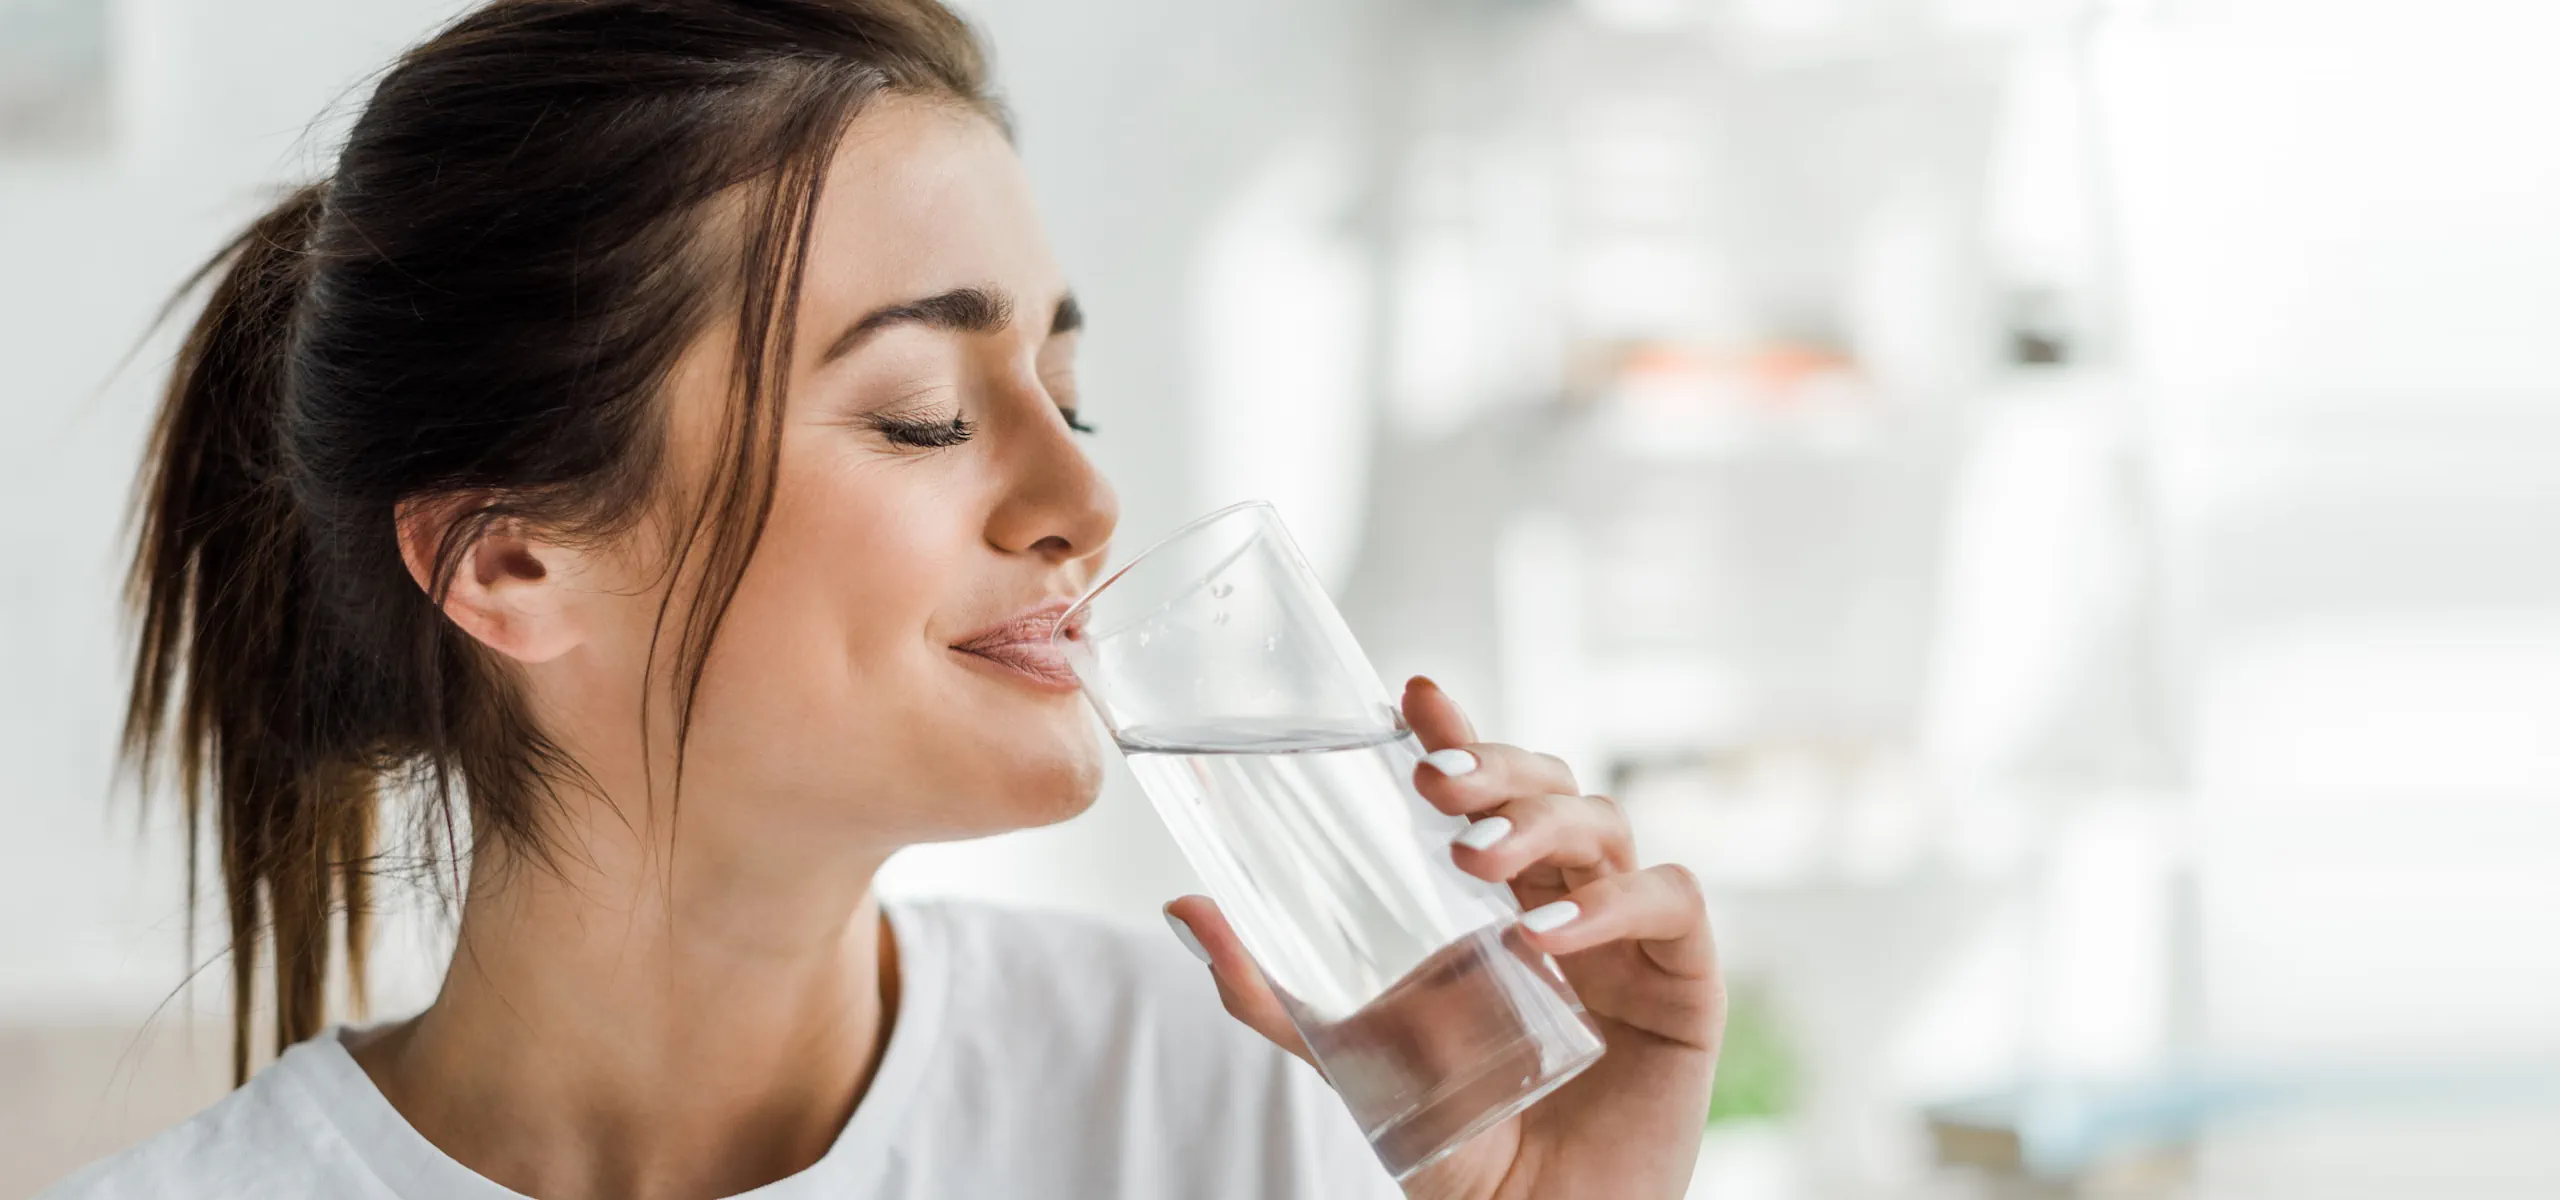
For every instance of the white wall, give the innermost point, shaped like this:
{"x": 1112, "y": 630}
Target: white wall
{"x": 2345, "y": 282}
{"x": 209, "y": 110}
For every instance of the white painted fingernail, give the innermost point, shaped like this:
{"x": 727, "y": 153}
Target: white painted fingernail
{"x": 1548, "y": 918}
{"x": 1483, "y": 834}
{"x": 1451, "y": 762}
{"x": 1182, "y": 933}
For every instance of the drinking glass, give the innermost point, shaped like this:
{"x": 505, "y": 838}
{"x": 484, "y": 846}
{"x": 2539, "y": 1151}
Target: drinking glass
{"x": 1285, "y": 772}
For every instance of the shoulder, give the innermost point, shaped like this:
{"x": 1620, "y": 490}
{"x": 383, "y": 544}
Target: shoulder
{"x": 1113, "y": 1026}
{"x": 987, "y": 943}
{"x": 267, "y": 1138}
{"x": 1072, "y": 982}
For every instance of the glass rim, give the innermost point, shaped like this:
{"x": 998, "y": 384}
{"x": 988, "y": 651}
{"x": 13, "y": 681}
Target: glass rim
{"x": 1080, "y": 611}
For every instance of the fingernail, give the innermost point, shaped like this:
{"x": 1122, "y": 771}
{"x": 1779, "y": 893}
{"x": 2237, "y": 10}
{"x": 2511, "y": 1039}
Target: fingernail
{"x": 1182, "y": 933}
{"x": 1547, "y": 918}
{"x": 1451, "y": 762}
{"x": 1483, "y": 834}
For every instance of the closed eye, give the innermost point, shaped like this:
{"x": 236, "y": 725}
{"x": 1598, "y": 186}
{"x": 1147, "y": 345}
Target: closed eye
{"x": 923, "y": 434}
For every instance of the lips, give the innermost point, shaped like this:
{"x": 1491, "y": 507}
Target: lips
{"x": 1020, "y": 644}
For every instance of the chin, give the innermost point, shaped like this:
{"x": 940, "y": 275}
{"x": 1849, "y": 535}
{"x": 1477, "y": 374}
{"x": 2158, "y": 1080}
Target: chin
{"x": 1061, "y": 806}
{"x": 1067, "y": 791}
{"x": 1038, "y": 793}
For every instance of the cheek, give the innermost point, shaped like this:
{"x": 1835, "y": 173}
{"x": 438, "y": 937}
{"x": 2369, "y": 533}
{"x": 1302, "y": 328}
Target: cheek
{"x": 857, "y": 571}
{"x": 828, "y": 629}
{"x": 831, "y": 687}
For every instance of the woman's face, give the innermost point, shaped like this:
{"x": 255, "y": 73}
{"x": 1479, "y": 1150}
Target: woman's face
{"x": 882, "y": 674}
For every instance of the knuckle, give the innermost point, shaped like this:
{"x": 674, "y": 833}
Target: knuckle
{"x": 1610, "y": 828}
{"x": 1531, "y": 811}
{"x": 1683, "y": 883}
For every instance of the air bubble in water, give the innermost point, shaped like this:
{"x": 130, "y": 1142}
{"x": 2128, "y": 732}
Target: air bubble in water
{"x": 1144, "y": 637}
{"x": 1271, "y": 643}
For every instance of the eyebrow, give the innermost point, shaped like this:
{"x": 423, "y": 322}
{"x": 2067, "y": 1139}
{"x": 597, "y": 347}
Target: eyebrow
{"x": 962, "y": 310}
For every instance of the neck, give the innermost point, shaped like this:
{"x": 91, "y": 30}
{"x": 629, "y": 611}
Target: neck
{"x": 616, "y": 1025}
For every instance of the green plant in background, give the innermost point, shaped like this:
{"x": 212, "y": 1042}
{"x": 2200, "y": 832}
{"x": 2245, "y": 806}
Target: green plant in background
{"x": 1756, "y": 1076}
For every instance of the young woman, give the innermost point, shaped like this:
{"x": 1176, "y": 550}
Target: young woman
{"x": 650, "y": 464}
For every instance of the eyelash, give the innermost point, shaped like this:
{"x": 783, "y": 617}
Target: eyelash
{"x": 936, "y": 435}
{"x": 925, "y": 435}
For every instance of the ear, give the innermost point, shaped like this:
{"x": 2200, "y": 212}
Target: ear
{"x": 510, "y": 590}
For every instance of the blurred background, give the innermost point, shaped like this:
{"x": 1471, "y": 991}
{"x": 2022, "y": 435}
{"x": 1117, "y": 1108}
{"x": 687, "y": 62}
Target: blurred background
{"x": 2051, "y": 507}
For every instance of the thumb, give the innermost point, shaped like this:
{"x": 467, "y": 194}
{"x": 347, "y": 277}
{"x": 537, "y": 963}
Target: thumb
{"x": 1248, "y": 997}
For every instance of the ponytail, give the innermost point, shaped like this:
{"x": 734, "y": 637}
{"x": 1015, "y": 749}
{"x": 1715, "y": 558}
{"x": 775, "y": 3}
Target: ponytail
{"x": 223, "y": 584}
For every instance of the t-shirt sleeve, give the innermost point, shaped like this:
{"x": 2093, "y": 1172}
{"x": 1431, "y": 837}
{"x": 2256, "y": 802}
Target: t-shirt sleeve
{"x": 261, "y": 1141}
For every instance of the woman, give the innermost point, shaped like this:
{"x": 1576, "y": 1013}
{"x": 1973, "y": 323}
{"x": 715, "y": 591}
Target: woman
{"x": 650, "y": 460}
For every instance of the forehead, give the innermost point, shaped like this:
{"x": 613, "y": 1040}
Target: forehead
{"x": 923, "y": 196}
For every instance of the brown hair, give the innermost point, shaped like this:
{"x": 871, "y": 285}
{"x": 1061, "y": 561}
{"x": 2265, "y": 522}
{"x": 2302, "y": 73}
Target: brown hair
{"x": 477, "y": 308}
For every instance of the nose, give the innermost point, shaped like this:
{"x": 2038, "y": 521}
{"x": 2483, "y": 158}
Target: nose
{"x": 1055, "y": 504}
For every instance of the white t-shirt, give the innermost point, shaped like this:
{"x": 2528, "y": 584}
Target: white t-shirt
{"x": 1034, "y": 1055}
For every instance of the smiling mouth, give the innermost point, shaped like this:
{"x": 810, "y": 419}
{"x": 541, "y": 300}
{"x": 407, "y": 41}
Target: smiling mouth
{"x": 1035, "y": 662}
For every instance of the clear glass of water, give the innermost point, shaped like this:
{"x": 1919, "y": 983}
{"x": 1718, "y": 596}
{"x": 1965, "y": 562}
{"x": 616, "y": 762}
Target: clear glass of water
{"x": 1285, "y": 771}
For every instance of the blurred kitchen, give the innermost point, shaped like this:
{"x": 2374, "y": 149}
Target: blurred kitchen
{"x": 2051, "y": 507}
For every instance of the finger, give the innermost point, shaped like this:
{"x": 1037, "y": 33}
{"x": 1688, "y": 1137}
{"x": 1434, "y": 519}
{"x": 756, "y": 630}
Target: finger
{"x": 1661, "y": 908}
{"x": 1585, "y": 833}
{"x": 1481, "y": 775}
{"x": 1241, "y": 988}
{"x": 1435, "y": 719}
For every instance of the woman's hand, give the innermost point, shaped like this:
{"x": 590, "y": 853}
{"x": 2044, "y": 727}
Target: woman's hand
{"x": 1633, "y": 942}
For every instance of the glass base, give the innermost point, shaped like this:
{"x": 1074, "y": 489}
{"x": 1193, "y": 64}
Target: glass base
{"x": 1481, "y": 1029}
{"x": 1508, "y": 1083}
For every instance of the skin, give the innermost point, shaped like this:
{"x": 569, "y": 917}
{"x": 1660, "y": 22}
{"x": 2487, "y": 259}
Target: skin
{"x": 688, "y": 1000}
